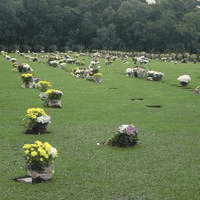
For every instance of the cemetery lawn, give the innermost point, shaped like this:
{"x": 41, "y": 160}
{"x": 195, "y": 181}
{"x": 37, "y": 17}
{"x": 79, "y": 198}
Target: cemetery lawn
{"x": 164, "y": 165}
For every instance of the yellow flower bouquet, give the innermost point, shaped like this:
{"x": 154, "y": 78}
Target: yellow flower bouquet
{"x": 53, "y": 94}
{"x": 43, "y": 86}
{"x": 27, "y": 78}
{"x": 97, "y": 77}
{"x": 14, "y": 65}
{"x": 40, "y": 158}
{"x": 38, "y": 120}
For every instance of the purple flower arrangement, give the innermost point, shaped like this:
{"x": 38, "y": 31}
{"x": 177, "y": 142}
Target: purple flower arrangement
{"x": 125, "y": 136}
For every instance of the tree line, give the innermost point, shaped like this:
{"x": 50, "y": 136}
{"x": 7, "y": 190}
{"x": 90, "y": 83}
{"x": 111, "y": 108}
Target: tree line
{"x": 83, "y": 25}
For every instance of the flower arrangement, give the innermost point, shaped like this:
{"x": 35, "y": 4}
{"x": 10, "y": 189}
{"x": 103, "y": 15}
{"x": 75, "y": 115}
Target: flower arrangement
{"x": 184, "y": 80}
{"x": 12, "y": 60}
{"x": 125, "y": 136}
{"x": 154, "y": 75}
{"x": 38, "y": 120}
{"x": 130, "y": 71}
{"x": 27, "y": 67}
{"x": 90, "y": 78}
{"x": 14, "y": 65}
{"x": 108, "y": 62}
{"x": 7, "y": 57}
{"x": 193, "y": 57}
{"x": 53, "y": 94}
{"x": 43, "y": 86}
{"x": 141, "y": 72}
{"x": 27, "y": 78}
{"x": 62, "y": 65}
{"x": 40, "y": 157}
{"x": 53, "y": 98}
{"x": 97, "y": 77}
{"x": 197, "y": 90}
{"x": 53, "y": 63}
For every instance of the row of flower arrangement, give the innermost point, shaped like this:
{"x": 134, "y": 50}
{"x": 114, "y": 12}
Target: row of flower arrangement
{"x": 110, "y": 54}
{"x": 125, "y": 136}
{"x": 141, "y": 72}
{"x": 39, "y": 156}
{"x": 90, "y": 74}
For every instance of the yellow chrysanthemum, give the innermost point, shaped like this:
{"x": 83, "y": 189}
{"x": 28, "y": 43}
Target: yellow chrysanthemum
{"x": 46, "y": 156}
{"x": 33, "y": 153}
{"x": 39, "y": 143}
{"x": 42, "y": 151}
{"x": 34, "y": 145}
{"x": 34, "y": 112}
{"x": 53, "y": 172}
{"x": 27, "y": 151}
{"x": 98, "y": 74}
{"x": 50, "y": 91}
{"x": 47, "y": 147}
{"x": 26, "y": 146}
{"x": 41, "y": 159}
{"x": 44, "y": 83}
{"x": 27, "y": 75}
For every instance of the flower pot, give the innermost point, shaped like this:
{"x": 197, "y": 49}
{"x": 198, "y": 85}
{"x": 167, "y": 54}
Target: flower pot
{"x": 28, "y": 85}
{"x": 20, "y": 68}
{"x": 54, "y": 96}
{"x": 37, "y": 128}
{"x": 54, "y": 103}
{"x": 183, "y": 83}
{"x": 135, "y": 74}
{"x": 43, "y": 174}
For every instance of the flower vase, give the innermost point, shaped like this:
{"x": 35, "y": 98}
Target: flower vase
{"x": 37, "y": 129}
{"x": 20, "y": 68}
{"x": 135, "y": 74}
{"x": 42, "y": 130}
{"x": 44, "y": 174}
{"x": 183, "y": 83}
{"x": 54, "y": 103}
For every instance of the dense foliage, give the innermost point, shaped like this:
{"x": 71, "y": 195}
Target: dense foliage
{"x": 80, "y": 25}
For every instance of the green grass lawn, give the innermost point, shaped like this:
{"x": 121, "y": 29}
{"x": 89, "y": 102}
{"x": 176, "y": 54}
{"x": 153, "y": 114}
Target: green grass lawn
{"x": 163, "y": 166}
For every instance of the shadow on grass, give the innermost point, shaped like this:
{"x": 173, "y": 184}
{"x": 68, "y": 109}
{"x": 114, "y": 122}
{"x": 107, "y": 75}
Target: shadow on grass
{"x": 30, "y": 132}
{"x": 136, "y": 99}
{"x": 180, "y": 86}
{"x": 154, "y": 106}
{"x": 28, "y": 180}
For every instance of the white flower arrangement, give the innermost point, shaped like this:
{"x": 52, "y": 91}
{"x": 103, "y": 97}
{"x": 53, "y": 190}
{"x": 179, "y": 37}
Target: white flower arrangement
{"x": 12, "y": 60}
{"x": 27, "y": 67}
{"x": 44, "y": 119}
{"x": 42, "y": 95}
{"x": 140, "y": 72}
{"x": 184, "y": 78}
{"x": 53, "y": 63}
{"x": 53, "y": 151}
{"x": 62, "y": 65}
{"x": 130, "y": 71}
{"x": 156, "y": 76}
{"x": 7, "y": 57}
{"x": 59, "y": 91}
{"x": 70, "y": 60}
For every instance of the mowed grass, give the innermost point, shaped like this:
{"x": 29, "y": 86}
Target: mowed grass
{"x": 164, "y": 165}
